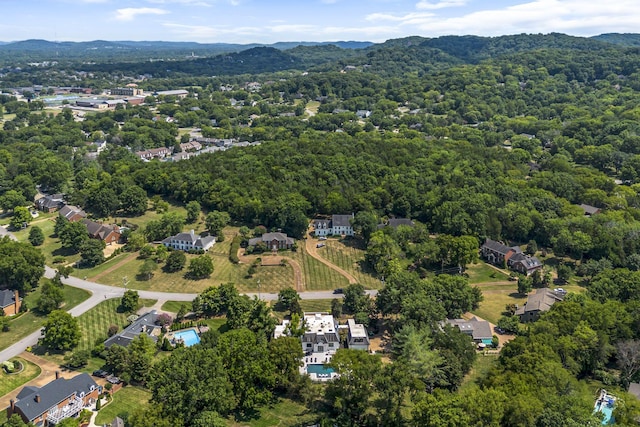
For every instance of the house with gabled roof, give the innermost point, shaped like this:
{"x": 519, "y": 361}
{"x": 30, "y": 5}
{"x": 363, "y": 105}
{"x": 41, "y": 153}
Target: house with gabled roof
{"x": 72, "y": 213}
{"x": 509, "y": 256}
{"x": 10, "y": 302}
{"x": 60, "y": 399}
{"x": 145, "y": 324}
{"x": 537, "y": 303}
{"x": 107, "y": 233}
{"x": 337, "y": 225}
{"x": 478, "y": 330}
{"x": 189, "y": 241}
{"x": 396, "y": 222}
{"x": 274, "y": 241}
{"x": 50, "y": 203}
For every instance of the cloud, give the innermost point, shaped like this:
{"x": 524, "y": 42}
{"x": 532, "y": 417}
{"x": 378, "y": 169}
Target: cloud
{"x": 182, "y": 2}
{"x": 129, "y": 13}
{"x": 425, "y": 4}
{"x": 537, "y": 16}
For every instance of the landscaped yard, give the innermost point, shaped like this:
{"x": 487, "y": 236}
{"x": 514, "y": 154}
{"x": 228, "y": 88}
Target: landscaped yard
{"x": 317, "y": 276}
{"x": 350, "y": 259}
{"x": 11, "y": 382}
{"x": 496, "y": 298}
{"x": 483, "y": 273}
{"x": 29, "y": 322}
{"x": 174, "y": 306}
{"x": 125, "y": 401}
{"x": 51, "y": 247}
{"x": 315, "y": 305}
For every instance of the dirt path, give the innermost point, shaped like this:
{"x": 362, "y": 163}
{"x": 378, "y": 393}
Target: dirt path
{"x": 312, "y": 250}
{"x": 298, "y": 277}
{"x": 114, "y": 267}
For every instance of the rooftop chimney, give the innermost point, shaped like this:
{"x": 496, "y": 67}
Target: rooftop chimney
{"x": 37, "y": 398}
{"x": 57, "y": 374}
{"x": 12, "y": 405}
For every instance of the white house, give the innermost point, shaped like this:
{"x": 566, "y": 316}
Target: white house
{"x": 189, "y": 241}
{"x": 321, "y": 335}
{"x": 337, "y": 225}
{"x": 358, "y": 339}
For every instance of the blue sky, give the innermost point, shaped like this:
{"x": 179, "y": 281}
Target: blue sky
{"x": 268, "y": 21}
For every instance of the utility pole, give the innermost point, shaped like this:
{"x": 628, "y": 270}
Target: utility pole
{"x": 259, "y": 297}
{"x": 125, "y": 282}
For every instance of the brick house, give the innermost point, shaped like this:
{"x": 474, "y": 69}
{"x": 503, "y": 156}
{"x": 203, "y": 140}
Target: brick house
{"x": 72, "y": 213}
{"x": 50, "y": 203}
{"x": 10, "y": 302}
{"x": 502, "y": 255}
{"x": 61, "y": 398}
{"x": 274, "y": 241}
{"x": 107, "y": 233}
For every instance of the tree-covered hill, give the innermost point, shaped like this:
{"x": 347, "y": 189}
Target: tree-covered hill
{"x": 626, "y": 39}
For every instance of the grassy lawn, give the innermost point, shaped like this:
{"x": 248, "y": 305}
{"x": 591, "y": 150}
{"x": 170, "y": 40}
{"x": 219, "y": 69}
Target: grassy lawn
{"x": 350, "y": 259}
{"x": 30, "y": 322}
{"x": 51, "y": 246}
{"x": 9, "y": 383}
{"x": 174, "y": 306}
{"x": 483, "y": 273}
{"x": 316, "y": 305}
{"x": 124, "y": 402}
{"x": 317, "y": 276}
{"x": 284, "y": 413}
{"x": 495, "y": 301}
{"x": 479, "y": 370}
{"x": 313, "y": 106}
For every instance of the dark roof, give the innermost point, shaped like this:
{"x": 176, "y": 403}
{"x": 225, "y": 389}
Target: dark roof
{"x": 7, "y": 298}
{"x": 326, "y": 222}
{"x": 396, "y": 222}
{"x": 95, "y": 229}
{"x": 51, "y": 394}
{"x": 528, "y": 261}
{"x": 67, "y": 211}
{"x": 341, "y": 220}
{"x": 51, "y": 201}
{"x": 145, "y": 323}
{"x": 478, "y": 329}
{"x": 497, "y": 247}
{"x": 542, "y": 300}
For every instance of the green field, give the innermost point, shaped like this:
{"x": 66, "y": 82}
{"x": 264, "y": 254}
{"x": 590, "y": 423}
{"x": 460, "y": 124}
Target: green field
{"x": 480, "y": 369}
{"x": 483, "y": 273}
{"x": 51, "y": 246}
{"x": 95, "y": 323}
{"x": 284, "y": 413}
{"x": 174, "y": 306}
{"x": 125, "y": 401}
{"x": 317, "y": 276}
{"x": 30, "y": 322}
{"x": 315, "y": 305}
{"x": 350, "y": 259}
{"x": 9, "y": 383}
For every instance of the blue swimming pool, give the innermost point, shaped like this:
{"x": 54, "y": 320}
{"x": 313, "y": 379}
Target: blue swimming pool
{"x": 189, "y": 336}
{"x": 319, "y": 369}
{"x": 607, "y": 410}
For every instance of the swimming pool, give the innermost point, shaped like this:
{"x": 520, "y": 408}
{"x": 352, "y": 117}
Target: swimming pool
{"x": 606, "y": 406}
{"x": 319, "y": 369}
{"x": 189, "y": 336}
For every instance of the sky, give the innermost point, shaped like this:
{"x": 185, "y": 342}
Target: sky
{"x": 269, "y": 21}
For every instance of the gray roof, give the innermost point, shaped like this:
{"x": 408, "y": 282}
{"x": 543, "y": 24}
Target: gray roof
{"x": 396, "y": 222}
{"x": 528, "y": 261}
{"x": 51, "y": 394}
{"x": 634, "y": 388}
{"x": 145, "y": 323}
{"x": 497, "y": 247}
{"x": 7, "y": 298}
{"x": 341, "y": 220}
{"x": 67, "y": 211}
{"x": 478, "y": 329}
{"x": 268, "y": 237}
{"x": 542, "y": 300}
{"x": 589, "y": 210}
{"x": 51, "y": 201}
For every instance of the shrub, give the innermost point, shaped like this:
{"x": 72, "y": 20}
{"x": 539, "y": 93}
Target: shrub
{"x": 235, "y": 247}
{"x": 113, "y": 329}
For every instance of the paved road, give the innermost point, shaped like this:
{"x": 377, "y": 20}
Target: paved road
{"x": 101, "y": 292}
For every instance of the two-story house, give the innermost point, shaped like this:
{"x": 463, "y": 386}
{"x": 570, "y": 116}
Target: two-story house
{"x": 512, "y": 257}
{"x": 61, "y": 398}
{"x": 189, "y": 241}
{"x": 107, "y": 233}
{"x": 274, "y": 241}
{"x": 338, "y": 225}
{"x": 321, "y": 334}
{"x": 357, "y": 337}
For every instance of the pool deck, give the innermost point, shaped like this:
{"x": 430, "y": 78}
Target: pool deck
{"x": 317, "y": 359}
{"x": 605, "y": 404}
{"x": 171, "y": 336}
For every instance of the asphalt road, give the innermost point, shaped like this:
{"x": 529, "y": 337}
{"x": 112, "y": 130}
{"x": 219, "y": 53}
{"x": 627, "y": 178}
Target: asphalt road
{"x": 101, "y": 292}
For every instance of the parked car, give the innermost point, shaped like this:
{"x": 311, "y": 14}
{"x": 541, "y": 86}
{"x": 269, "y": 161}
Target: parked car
{"x": 338, "y": 291}
{"x": 322, "y": 238}
{"x": 320, "y": 245}
{"x": 100, "y": 373}
{"x": 113, "y": 380}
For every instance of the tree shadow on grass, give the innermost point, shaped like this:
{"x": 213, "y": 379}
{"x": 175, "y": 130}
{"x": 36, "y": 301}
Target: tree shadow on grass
{"x": 517, "y": 295}
{"x": 63, "y": 252}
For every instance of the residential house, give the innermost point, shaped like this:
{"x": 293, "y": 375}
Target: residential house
{"x": 512, "y": 257}
{"x": 321, "y": 334}
{"x": 10, "y": 302}
{"x": 538, "y": 303}
{"x": 154, "y": 153}
{"x": 478, "y": 330}
{"x": 589, "y": 210}
{"x": 145, "y": 324}
{"x": 363, "y": 114}
{"x": 61, "y": 398}
{"x": 337, "y": 225}
{"x": 357, "y": 337}
{"x": 274, "y": 241}
{"x": 50, "y": 203}
{"x": 107, "y": 233}
{"x": 397, "y": 222}
{"x": 189, "y": 241}
{"x": 191, "y": 146}
{"x": 72, "y": 213}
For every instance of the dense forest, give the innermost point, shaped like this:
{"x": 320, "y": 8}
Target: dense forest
{"x": 471, "y": 137}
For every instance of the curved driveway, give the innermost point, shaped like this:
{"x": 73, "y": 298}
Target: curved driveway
{"x": 101, "y": 292}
